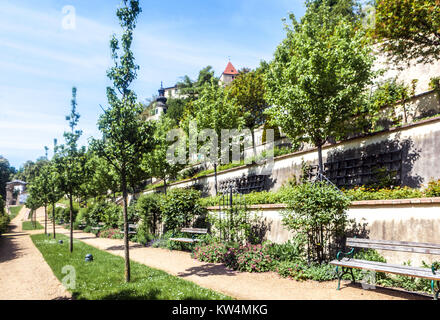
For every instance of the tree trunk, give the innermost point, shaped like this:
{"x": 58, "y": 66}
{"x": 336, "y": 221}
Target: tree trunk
{"x": 53, "y": 219}
{"x": 320, "y": 165}
{"x": 126, "y": 244}
{"x": 45, "y": 219}
{"x": 215, "y": 178}
{"x": 71, "y": 224}
{"x": 254, "y": 148}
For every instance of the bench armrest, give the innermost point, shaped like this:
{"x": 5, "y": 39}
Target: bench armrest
{"x": 342, "y": 254}
{"x": 435, "y": 267}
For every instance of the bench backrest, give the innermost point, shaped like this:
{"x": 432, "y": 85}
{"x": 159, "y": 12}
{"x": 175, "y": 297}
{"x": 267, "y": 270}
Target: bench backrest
{"x": 415, "y": 247}
{"x": 194, "y": 230}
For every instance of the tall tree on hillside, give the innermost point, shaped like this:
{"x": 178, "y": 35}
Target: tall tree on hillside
{"x": 70, "y": 161}
{"x": 318, "y": 77}
{"x": 408, "y": 29}
{"x": 247, "y": 92}
{"x": 126, "y": 137}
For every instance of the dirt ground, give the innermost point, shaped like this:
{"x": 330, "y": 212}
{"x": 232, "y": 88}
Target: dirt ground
{"x": 241, "y": 285}
{"x": 24, "y": 274}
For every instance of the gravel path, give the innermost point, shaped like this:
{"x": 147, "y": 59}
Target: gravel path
{"x": 241, "y": 285}
{"x": 24, "y": 274}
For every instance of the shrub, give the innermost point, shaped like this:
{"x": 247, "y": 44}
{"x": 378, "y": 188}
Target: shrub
{"x": 317, "y": 212}
{"x": 108, "y": 213}
{"x": 149, "y": 210}
{"x": 433, "y": 189}
{"x": 288, "y": 251}
{"x": 249, "y": 258}
{"x": 4, "y": 222}
{"x": 180, "y": 207}
{"x": 301, "y": 271}
{"x": 213, "y": 253}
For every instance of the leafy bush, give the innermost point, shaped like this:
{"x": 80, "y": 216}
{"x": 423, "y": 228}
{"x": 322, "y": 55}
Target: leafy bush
{"x": 288, "y": 251}
{"x": 213, "y": 253}
{"x": 301, "y": 271}
{"x": 148, "y": 208}
{"x": 249, "y": 258}
{"x": 180, "y": 207}
{"x": 317, "y": 212}
{"x": 108, "y": 213}
{"x": 4, "y": 222}
{"x": 433, "y": 188}
{"x": 365, "y": 193}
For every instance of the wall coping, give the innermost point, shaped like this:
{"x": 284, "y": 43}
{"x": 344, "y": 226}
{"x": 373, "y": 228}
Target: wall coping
{"x": 392, "y": 202}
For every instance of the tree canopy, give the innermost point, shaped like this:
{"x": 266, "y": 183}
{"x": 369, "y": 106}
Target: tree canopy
{"x": 318, "y": 77}
{"x": 408, "y": 29}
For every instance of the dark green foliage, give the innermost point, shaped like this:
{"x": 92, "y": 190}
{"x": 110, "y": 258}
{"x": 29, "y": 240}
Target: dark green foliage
{"x": 4, "y": 218}
{"x": 148, "y": 207}
{"x": 180, "y": 208}
{"x": 317, "y": 213}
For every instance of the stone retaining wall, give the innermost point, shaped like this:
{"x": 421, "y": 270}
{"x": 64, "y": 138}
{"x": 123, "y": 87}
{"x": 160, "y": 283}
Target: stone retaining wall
{"x": 416, "y": 220}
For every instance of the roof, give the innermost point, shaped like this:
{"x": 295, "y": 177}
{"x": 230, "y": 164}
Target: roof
{"x": 230, "y": 69}
{"x": 16, "y": 182}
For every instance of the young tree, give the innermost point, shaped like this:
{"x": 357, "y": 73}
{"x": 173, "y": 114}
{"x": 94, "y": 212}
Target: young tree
{"x": 54, "y": 183}
{"x": 318, "y": 77}
{"x": 126, "y": 138}
{"x": 213, "y": 110}
{"x": 156, "y": 163}
{"x": 70, "y": 161}
{"x": 408, "y": 29}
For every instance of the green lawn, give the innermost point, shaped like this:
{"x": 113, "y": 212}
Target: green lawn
{"x": 28, "y": 225}
{"x": 103, "y": 278}
{"x": 14, "y": 211}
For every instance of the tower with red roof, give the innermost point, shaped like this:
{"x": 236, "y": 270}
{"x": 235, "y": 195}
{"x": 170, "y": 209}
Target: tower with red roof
{"x": 229, "y": 74}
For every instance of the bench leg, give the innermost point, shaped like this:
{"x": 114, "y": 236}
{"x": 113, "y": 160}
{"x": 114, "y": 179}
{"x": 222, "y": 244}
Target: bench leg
{"x": 341, "y": 274}
{"x": 434, "y": 291}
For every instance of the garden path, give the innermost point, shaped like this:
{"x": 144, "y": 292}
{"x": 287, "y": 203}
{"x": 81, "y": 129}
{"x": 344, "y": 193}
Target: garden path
{"x": 24, "y": 274}
{"x": 241, "y": 285}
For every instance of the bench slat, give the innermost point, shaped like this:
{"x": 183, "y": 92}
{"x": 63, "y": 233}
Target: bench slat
{"x": 415, "y": 247}
{"x": 194, "y": 230}
{"x": 188, "y": 240}
{"x": 386, "y": 267}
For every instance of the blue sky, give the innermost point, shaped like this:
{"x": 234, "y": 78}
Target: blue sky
{"x": 40, "y": 61}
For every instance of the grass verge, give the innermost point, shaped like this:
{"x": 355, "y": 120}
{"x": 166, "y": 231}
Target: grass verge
{"x": 14, "y": 211}
{"x": 103, "y": 278}
{"x": 28, "y": 225}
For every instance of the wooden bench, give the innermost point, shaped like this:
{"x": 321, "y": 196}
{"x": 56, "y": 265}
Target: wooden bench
{"x": 345, "y": 261}
{"x": 132, "y": 228}
{"x": 99, "y": 227}
{"x": 193, "y": 232}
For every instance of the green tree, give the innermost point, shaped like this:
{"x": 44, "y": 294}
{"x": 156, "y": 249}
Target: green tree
{"x": 70, "y": 161}
{"x": 156, "y": 163}
{"x": 213, "y": 110}
{"x": 318, "y": 78}
{"x": 6, "y": 172}
{"x": 247, "y": 93}
{"x": 408, "y": 29}
{"x": 126, "y": 137}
